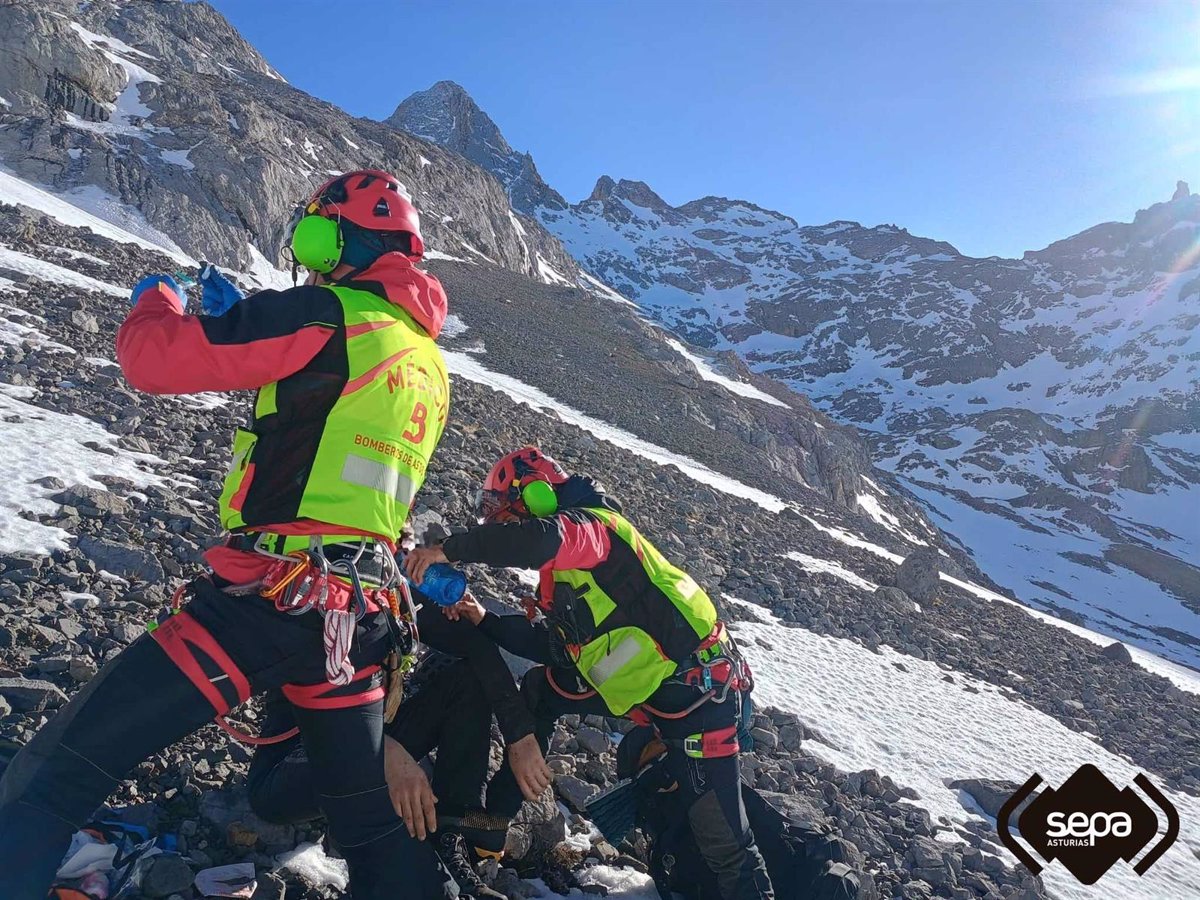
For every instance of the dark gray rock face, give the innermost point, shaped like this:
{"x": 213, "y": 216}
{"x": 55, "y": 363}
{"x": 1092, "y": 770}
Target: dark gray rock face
{"x": 166, "y": 108}
{"x": 1117, "y": 653}
{"x": 31, "y": 695}
{"x": 167, "y": 875}
{"x": 991, "y": 794}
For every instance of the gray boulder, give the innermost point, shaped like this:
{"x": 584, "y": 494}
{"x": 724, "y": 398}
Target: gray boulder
{"x": 31, "y": 695}
{"x": 918, "y": 575}
{"x": 1117, "y": 652}
{"x": 991, "y": 794}
{"x": 128, "y": 562}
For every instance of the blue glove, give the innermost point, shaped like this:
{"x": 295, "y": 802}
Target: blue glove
{"x": 150, "y": 281}
{"x": 220, "y": 294}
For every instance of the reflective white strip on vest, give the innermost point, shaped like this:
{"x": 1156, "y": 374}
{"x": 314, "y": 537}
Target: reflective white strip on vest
{"x": 623, "y": 654}
{"x": 378, "y": 477}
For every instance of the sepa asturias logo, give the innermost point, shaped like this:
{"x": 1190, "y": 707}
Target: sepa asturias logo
{"x": 1088, "y": 825}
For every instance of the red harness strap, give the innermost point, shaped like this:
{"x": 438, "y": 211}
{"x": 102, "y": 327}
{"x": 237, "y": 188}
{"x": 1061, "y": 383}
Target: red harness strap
{"x": 189, "y": 645}
{"x": 712, "y": 744}
{"x": 330, "y": 696}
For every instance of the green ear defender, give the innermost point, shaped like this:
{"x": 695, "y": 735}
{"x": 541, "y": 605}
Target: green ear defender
{"x": 317, "y": 243}
{"x": 540, "y": 499}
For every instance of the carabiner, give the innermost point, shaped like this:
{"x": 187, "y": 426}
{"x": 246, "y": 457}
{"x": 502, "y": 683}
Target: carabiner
{"x": 360, "y": 599}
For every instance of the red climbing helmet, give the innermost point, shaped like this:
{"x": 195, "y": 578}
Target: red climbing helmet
{"x": 371, "y": 199}
{"x": 521, "y": 484}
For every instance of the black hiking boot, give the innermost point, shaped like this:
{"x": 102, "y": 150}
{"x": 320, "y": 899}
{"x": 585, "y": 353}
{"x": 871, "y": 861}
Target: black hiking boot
{"x": 484, "y": 832}
{"x": 459, "y": 860}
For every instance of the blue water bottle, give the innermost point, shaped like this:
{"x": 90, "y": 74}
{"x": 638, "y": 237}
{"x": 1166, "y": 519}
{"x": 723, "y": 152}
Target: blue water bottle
{"x": 443, "y": 584}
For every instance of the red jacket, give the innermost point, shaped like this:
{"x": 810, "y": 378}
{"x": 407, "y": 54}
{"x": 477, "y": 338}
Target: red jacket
{"x": 265, "y": 338}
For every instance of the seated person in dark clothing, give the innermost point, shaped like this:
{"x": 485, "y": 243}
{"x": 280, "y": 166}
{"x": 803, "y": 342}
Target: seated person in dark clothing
{"x": 451, "y": 710}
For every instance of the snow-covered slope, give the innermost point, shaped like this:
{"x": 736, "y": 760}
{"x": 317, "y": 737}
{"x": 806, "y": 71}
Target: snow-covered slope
{"x": 1043, "y": 409}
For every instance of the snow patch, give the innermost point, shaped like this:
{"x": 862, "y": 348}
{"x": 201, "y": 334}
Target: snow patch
{"x": 829, "y": 567}
{"x": 310, "y": 864}
{"x": 129, "y": 105}
{"x": 873, "y": 508}
{"x": 438, "y": 254}
{"x": 453, "y": 327}
{"x": 604, "y": 290}
{"x": 548, "y": 273}
{"x": 620, "y": 883}
{"x": 179, "y": 157}
{"x": 94, "y": 209}
{"x": 465, "y": 366}
{"x": 708, "y": 373}
{"x": 39, "y": 443}
{"x": 264, "y": 274}
{"x": 911, "y": 724}
{"x": 47, "y": 271}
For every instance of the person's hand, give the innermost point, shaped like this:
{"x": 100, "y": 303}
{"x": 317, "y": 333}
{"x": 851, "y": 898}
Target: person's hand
{"x": 421, "y": 559}
{"x": 467, "y": 608}
{"x": 219, "y": 293}
{"x": 150, "y": 281}
{"x": 532, "y": 774}
{"x": 409, "y": 789}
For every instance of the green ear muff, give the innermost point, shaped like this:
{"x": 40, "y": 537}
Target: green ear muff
{"x": 317, "y": 243}
{"x": 540, "y": 499}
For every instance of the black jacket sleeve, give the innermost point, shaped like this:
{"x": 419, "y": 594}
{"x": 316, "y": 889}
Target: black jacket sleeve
{"x": 464, "y": 640}
{"x": 519, "y": 636}
{"x": 523, "y": 545}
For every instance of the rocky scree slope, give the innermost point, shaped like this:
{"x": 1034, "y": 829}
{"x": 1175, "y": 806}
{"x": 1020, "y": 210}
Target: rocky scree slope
{"x": 124, "y": 543}
{"x": 1044, "y": 409}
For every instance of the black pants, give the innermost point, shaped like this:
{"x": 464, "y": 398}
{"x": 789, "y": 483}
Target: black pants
{"x": 711, "y": 786}
{"x": 450, "y": 712}
{"x": 142, "y": 701}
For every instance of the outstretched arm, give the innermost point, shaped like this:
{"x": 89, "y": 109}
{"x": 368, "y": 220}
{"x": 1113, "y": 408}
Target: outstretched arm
{"x": 568, "y": 540}
{"x": 264, "y": 338}
{"x": 519, "y": 636}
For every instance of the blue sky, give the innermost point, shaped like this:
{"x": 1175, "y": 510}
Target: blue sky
{"x": 997, "y": 126}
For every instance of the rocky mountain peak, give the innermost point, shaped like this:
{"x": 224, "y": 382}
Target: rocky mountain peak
{"x": 1154, "y": 240}
{"x": 448, "y": 116}
{"x": 603, "y": 189}
{"x": 445, "y": 114}
{"x": 640, "y": 194}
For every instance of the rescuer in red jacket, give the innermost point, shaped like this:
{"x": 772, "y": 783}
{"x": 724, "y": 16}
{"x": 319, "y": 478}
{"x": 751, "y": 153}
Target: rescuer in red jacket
{"x": 352, "y": 398}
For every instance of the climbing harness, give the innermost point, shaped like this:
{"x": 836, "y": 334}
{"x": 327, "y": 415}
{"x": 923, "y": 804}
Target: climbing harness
{"x": 297, "y": 583}
{"x": 716, "y": 669}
